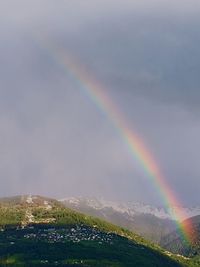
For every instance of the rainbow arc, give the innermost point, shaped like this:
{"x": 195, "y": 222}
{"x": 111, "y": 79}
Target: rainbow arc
{"x": 136, "y": 146}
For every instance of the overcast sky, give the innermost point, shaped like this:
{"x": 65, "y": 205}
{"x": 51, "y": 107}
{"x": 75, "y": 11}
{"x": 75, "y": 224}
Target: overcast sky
{"x": 54, "y": 140}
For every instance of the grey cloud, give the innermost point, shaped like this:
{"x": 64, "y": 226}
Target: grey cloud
{"x": 158, "y": 58}
{"x": 55, "y": 141}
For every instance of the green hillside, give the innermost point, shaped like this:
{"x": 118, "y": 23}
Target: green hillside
{"x": 37, "y": 231}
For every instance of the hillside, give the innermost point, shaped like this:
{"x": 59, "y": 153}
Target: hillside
{"x": 37, "y": 231}
{"x": 175, "y": 243}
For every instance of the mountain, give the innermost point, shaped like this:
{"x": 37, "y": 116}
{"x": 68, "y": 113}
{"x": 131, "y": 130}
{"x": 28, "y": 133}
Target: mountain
{"x": 152, "y": 223}
{"x": 176, "y": 243}
{"x": 132, "y": 208}
{"x": 38, "y": 231}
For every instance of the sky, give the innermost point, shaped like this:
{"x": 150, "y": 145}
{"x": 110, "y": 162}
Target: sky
{"x": 144, "y": 55}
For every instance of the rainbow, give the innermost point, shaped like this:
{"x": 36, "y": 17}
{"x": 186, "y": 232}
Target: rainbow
{"x": 136, "y": 147}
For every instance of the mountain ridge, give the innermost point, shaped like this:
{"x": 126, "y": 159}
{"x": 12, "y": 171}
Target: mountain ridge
{"x": 176, "y": 243}
{"x": 134, "y": 207}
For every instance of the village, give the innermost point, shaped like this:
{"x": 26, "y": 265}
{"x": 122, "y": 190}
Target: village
{"x": 75, "y": 234}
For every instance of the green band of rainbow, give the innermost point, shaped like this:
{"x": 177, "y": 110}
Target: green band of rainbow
{"x": 138, "y": 150}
